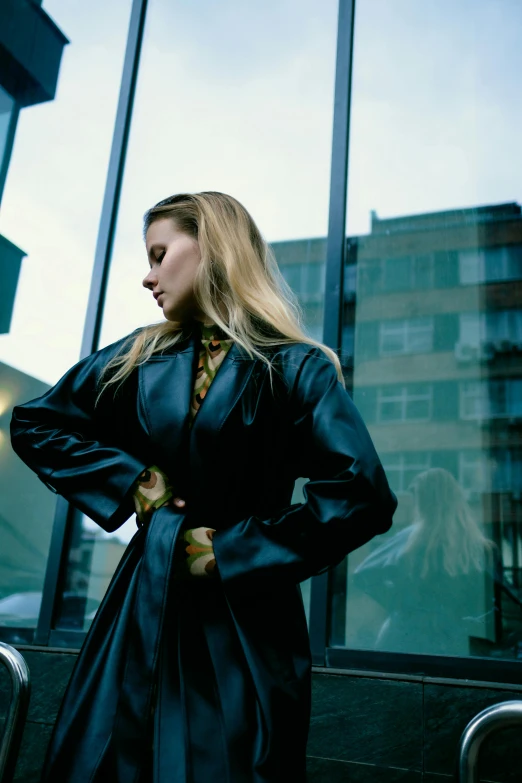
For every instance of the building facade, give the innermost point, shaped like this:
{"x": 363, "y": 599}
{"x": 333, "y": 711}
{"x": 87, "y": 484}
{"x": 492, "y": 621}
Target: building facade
{"x": 376, "y": 145}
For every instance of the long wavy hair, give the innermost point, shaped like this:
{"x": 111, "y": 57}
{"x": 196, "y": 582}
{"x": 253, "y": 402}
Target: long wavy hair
{"x": 445, "y": 530}
{"x": 238, "y": 286}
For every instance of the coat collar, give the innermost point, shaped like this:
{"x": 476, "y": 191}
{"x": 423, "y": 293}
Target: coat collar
{"x": 166, "y": 384}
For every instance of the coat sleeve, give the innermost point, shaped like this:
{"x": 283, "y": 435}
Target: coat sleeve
{"x": 347, "y": 499}
{"x": 63, "y": 438}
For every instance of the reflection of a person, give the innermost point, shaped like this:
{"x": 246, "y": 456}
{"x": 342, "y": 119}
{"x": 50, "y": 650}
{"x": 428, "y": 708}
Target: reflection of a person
{"x": 432, "y": 578}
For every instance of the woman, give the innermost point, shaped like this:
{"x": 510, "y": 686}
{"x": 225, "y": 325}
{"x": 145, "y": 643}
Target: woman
{"x": 435, "y": 578}
{"x": 197, "y": 666}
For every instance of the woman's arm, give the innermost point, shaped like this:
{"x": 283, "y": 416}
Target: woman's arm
{"x": 61, "y": 437}
{"x": 347, "y": 500}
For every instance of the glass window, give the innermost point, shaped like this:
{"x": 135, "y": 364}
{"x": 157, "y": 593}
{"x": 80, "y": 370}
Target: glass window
{"x": 411, "y": 335}
{"x": 471, "y": 329}
{"x": 402, "y": 467}
{"x": 491, "y": 399}
{"x": 50, "y": 212}
{"x": 435, "y": 177}
{"x": 350, "y": 281}
{"x": 490, "y": 265}
{"x": 423, "y": 271}
{"x": 7, "y": 105}
{"x": 397, "y": 273}
{"x": 244, "y": 105}
{"x": 404, "y": 403}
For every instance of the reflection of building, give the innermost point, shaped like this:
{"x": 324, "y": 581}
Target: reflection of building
{"x": 438, "y": 359}
{"x": 24, "y": 541}
{"x": 93, "y": 559}
{"x": 432, "y": 349}
{"x": 31, "y": 47}
{"x": 303, "y": 265}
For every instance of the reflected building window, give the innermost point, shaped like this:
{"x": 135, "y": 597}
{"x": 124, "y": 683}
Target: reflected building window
{"x": 492, "y": 331}
{"x": 408, "y": 335}
{"x": 408, "y": 272}
{"x": 405, "y": 403}
{"x": 491, "y": 399}
{"x": 350, "y": 282}
{"x": 487, "y": 265}
{"x": 402, "y": 467}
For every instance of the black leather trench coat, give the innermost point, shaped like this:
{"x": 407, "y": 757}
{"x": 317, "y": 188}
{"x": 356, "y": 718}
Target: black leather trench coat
{"x": 227, "y": 661}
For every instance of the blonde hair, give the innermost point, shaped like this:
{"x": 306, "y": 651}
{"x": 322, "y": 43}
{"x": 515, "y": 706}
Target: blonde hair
{"x": 445, "y": 528}
{"x": 238, "y": 285}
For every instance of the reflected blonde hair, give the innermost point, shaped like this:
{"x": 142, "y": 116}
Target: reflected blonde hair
{"x": 238, "y": 285}
{"x": 445, "y": 527}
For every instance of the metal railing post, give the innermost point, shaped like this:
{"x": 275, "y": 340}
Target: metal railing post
{"x": 499, "y": 716}
{"x": 15, "y": 720}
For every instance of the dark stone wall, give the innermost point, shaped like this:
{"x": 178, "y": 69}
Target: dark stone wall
{"x": 386, "y": 728}
{"x": 50, "y": 672}
{"x": 366, "y": 728}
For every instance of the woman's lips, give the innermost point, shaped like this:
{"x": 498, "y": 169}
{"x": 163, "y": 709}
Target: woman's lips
{"x": 158, "y": 300}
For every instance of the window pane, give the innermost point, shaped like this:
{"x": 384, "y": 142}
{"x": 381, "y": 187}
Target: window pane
{"x": 391, "y": 411}
{"x": 420, "y": 335}
{"x": 50, "y": 213}
{"x": 418, "y": 409}
{"x": 242, "y": 104}
{"x": 422, "y": 271}
{"x": 471, "y": 267}
{"x": 447, "y": 578}
{"x": 397, "y": 273}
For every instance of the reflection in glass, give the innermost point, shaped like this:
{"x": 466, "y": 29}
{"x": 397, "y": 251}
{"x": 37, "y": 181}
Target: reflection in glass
{"x": 93, "y": 557}
{"x": 433, "y": 580}
{"x": 437, "y": 365}
{"x": 242, "y": 105}
{"x": 50, "y": 207}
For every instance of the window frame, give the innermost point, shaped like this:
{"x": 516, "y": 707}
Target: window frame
{"x": 323, "y": 653}
{"x": 404, "y": 398}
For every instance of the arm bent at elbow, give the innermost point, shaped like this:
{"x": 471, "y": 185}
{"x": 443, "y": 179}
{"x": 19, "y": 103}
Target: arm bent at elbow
{"x": 60, "y": 438}
{"x": 347, "y": 500}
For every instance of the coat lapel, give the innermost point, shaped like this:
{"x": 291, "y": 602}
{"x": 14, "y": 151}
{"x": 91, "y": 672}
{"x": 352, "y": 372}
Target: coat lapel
{"x": 165, "y": 389}
{"x": 166, "y": 385}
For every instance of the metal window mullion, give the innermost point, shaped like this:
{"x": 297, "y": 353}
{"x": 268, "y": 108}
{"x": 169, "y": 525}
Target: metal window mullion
{"x": 64, "y": 514}
{"x": 335, "y": 259}
{"x": 111, "y": 199}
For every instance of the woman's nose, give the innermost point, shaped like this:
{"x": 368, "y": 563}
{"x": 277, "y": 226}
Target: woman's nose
{"x": 150, "y": 280}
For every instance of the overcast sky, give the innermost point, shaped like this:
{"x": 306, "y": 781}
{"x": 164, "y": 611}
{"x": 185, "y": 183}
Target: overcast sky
{"x": 238, "y": 97}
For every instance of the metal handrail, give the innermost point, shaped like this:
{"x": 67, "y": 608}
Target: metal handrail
{"x": 15, "y": 721}
{"x": 499, "y": 716}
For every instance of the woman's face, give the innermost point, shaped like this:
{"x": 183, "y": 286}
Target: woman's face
{"x": 174, "y": 258}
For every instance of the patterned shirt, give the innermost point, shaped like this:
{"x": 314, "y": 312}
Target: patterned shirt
{"x": 153, "y": 487}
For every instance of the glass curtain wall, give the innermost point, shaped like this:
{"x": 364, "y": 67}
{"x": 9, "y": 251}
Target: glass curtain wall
{"x": 241, "y": 104}
{"x": 50, "y": 212}
{"x": 432, "y": 339}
